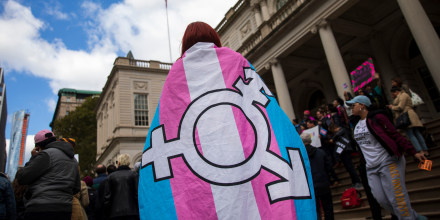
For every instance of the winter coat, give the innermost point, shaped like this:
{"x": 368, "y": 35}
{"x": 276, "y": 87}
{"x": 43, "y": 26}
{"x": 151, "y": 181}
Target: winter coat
{"x": 386, "y": 134}
{"x": 401, "y": 104}
{"x": 121, "y": 193}
{"x": 53, "y": 178}
{"x": 320, "y": 165}
{"x": 7, "y": 200}
{"x": 79, "y": 201}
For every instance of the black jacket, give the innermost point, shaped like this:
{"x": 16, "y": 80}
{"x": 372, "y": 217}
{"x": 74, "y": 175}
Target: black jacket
{"x": 121, "y": 193}
{"x": 53, "y": 178}
{"x": 321, "y": 166}
{"x": 343, "y": 140}
{"x": 7, "y": 201}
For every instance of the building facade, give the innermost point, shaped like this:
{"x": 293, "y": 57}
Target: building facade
{"x": 17, "y": 145}
{"x": 3, "y": 119}
{"x": 305, "y": 49}
{"x": 69, "y": 100}
{"x": 127, "y": 106}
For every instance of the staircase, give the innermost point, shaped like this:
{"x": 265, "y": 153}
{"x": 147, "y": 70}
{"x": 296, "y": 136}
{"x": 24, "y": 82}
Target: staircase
{"x": 423, "y": 186}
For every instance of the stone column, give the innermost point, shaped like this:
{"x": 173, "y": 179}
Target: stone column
{"x": 384, "y": 63}
{"x": 282, "y": 89}
{"x": 334, "y": 59}
{"x": 424, "y": 34}
{"x": 264, "y": 10}
{"x": 257, "y": 14}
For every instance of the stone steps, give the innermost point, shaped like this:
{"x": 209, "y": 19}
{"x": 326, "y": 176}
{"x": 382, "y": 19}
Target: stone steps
{"x": 423, "y": 188}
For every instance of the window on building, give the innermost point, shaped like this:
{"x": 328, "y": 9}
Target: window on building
{"x": 140, "y": 109}
{"x": 68, "y": 99}
{"x": 281, "y": 3}
{"x": 67, "y": 112}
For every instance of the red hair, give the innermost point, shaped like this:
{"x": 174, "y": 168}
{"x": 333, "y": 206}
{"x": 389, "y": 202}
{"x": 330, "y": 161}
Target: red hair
{"x": 199, "y": 32}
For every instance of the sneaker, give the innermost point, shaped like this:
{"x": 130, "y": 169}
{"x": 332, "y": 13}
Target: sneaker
{"x": 358, "y": 186}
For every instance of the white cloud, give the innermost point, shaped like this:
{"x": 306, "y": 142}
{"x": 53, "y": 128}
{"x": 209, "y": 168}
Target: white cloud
{"x": 54, "y": 9}
{"x": 30, "y": 143}
{"x": 51, "y": 104}
{"x": 136, "y": 25}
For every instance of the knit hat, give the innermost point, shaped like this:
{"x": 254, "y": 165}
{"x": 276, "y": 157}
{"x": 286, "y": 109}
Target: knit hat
{"x": 307, "y": 112}
{"x": 43, "y": 135}
{"x": 69, "y": 140}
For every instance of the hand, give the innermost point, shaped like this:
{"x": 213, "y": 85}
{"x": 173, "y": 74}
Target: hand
{"x": 390, "y": 106}
{"x": 420, "y": 156}
{"x": 35, "y": 151}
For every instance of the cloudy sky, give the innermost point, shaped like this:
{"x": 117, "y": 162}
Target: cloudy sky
{"x": 46, "y": 45}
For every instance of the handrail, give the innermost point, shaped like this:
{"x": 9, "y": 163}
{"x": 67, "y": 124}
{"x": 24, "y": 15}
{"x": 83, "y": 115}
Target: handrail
{"x": 124, "y": 61}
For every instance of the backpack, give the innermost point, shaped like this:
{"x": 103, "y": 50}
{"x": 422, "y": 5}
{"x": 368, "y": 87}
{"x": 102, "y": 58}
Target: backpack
{"x": 351, "y": 198}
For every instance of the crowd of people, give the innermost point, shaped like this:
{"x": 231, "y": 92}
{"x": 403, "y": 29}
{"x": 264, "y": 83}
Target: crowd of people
{"x": 49, "y": 186}
{"x": 366, "y": 125}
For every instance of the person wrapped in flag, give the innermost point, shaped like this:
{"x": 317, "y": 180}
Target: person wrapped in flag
{"x": 219, "y": 145}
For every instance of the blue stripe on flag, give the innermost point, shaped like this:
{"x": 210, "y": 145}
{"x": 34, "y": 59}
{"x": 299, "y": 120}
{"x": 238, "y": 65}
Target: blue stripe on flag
{"x": 287, "y": 136}
{"x": 155, "y": 198}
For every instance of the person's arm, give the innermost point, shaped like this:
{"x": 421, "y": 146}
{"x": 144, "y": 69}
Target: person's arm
{"x": 36, "y": 167}
{"x": 391, "y": 131}
{"x": 107, "y": 194}
{"x": 10, "y": 202}
{"x": 77, "y": 184}
{"x": 84, "y": 195}
{"x": 400, "y": 105}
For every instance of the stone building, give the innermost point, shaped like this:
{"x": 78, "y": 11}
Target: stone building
{"x": 305, "y": 49}
{"x": 69, "y": 100}
{"x": 127, "y": 106}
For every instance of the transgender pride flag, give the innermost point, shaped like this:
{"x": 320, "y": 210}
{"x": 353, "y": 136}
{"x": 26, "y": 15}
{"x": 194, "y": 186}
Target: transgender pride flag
{"x": 220, "y": 147}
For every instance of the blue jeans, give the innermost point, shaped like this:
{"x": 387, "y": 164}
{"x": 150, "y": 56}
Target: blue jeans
{"x": 416, "y": 138}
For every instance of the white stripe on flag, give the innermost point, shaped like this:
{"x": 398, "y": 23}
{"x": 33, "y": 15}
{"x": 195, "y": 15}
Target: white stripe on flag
{"x": 218, "y": 134}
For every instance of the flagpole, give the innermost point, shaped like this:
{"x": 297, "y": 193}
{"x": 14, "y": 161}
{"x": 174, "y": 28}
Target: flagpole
{"x": 168, "y": 28}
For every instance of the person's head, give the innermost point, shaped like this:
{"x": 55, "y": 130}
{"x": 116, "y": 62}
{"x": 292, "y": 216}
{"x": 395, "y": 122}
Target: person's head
{"x": 310, "y": 123}
{"x": 338, "y": 101}
{"x": 43, "y": 138}
{"x": 295, "y": 121}
{"x": 319, "y": 114}
{"x": 333, "y": 127}
{"x": 331, "y": 108}
{"x": 123, "y": 160}
{"x": 111, "y": 168}
{"x": 395, "y": 91}
{"x": 359, "y": 105}
{"x": 100, "y": 169}
{"x": 71, "y": 141}
{"x": 306, "y": 138}
{"x": 396, "y": 81}
{"x": 199, "y": 32}
{"x": 306, "y": 113}
{"x": 88, "y": 180}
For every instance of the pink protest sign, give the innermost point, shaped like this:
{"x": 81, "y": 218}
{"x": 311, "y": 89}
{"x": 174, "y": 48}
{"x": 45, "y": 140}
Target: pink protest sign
{"x": 362, "y": 75}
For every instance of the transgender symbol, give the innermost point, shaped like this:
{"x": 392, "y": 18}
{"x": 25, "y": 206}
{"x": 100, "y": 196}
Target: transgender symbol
{"x": 293, "y": 181}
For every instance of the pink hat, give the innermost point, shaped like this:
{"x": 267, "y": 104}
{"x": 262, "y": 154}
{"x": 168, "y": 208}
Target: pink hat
{"x": 307, "y": 112}
{"x": 43, "y": 135}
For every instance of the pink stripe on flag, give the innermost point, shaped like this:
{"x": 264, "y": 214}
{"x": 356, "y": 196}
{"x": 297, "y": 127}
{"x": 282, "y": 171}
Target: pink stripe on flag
{"x": 190, "y": 193}
{"x": 280, "y": 210}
